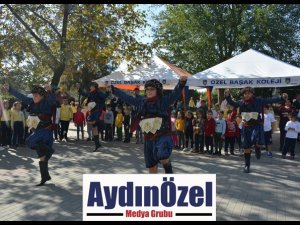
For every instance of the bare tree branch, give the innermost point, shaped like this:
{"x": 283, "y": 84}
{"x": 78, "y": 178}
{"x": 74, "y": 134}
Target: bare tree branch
{"x": 67, "y": 8}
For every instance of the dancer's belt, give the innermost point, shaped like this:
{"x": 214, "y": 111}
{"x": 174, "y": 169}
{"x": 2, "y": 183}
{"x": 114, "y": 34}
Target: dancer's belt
{"x": 38, "y": 121}
{"x": 252, "y": 123}
{"x": 152, "y": 137}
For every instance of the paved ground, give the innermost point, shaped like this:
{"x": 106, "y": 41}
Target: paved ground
{"x": 270, "y": 192}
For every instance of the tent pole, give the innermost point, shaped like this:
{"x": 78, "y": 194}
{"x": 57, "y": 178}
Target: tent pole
{"x": 208, "y": 97}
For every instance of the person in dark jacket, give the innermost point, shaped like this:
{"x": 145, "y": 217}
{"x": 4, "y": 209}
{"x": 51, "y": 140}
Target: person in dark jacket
{"x": 40, "y": 110}
{"x": 96, "y": 96}
{"x": 252, "y": 132}
{"x": 155, "y": 121}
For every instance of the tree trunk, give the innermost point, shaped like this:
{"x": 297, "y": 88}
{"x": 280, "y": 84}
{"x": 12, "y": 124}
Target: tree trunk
{"x": 58, "y": 71}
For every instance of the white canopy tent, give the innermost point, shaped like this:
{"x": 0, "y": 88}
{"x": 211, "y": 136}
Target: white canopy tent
{"x": 250, "y": 68}
{"x": 157, "y": 68}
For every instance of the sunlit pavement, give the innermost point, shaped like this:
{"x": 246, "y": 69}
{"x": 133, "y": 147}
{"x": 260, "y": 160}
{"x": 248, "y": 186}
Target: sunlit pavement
{"x": 270, "y": 192}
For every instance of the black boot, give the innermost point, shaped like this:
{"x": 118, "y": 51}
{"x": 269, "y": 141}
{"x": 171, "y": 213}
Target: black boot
{"x": 257, "y": 152}
{"x": 97, "y": 142}
{"x": 168, "y": 167}
{"x": 44, "y": 173}
{"x": 47, "y": 172}
{"x": 247, "y": 162}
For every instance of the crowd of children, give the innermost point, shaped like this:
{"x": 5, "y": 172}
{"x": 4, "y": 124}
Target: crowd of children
{"x": 14, "y": 130}
{"x": 199, "y": 129}
{"x": 205, "y": 133}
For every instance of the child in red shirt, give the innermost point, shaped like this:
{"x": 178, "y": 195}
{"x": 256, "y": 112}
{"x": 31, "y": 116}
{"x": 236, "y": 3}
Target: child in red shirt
{"x": 79, "y": 122}
{"x": 210, "y": 126}
{"x": 232, "y": 131}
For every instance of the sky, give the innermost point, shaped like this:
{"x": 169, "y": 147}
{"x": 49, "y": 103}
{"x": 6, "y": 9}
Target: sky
{"x": 145, "y": 36}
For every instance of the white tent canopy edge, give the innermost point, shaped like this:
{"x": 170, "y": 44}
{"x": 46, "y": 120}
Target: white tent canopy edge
{"x": 250, "y": 68}
{"x": 157, "y": 68}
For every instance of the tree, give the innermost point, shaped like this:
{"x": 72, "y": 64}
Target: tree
{"x": 198, "y": 36}
{"x": 51, "y": 40}
{"x": 272, "y": 29}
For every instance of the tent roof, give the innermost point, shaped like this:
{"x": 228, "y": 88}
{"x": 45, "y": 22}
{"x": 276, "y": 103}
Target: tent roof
{"x": 157, "y": 68}
{"x": 250, "y": 68}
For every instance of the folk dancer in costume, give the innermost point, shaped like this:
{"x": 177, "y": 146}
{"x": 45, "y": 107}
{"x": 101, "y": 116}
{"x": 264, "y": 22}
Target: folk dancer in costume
{"x": 39, "y": 121}
{"x": 155, "y": 121}
{"x": 98, "y": 98}
{"x": 252, "y": 133}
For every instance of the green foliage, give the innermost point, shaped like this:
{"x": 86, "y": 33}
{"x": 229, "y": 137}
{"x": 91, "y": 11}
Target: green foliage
{"x": 198, "y": 36}
{"x": 42, "y": 42}
{"x": 272, "y": 29}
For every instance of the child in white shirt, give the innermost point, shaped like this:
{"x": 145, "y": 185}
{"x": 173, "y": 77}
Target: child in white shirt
{"x": 292, "y": 128}
{"x": 269, "y": 124}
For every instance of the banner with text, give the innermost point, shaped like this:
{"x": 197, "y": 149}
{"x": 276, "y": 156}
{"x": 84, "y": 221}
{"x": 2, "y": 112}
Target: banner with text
{"x": 244, "y": 82}
{"x": 139, "y": 82}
